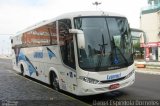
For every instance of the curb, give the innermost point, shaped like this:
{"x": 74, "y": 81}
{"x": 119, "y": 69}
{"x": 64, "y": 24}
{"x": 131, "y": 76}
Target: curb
{"x": 148, "y": 72}
{"x": 153, "y": 67}
{"x": 147, "y": 65}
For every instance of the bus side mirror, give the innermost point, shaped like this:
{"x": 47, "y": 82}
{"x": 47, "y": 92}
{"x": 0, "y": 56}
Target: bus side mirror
{"x": 80, "y": 37}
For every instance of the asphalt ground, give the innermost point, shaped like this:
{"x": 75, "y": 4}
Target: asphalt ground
{"x": 16, "y": 90}
{"x": 144, "y": 92}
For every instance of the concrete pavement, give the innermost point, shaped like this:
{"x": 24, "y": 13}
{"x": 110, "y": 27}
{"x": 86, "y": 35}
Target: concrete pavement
{"x": 150, "y": 65}
{"x": 142, "y": 66}
{"x": 148, "y": 71}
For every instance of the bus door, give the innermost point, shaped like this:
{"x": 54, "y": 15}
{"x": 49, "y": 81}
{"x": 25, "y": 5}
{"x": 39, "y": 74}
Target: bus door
{"x": 67, "y": 53}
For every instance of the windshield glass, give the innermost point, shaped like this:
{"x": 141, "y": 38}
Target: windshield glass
{"x": 107, "y": 43}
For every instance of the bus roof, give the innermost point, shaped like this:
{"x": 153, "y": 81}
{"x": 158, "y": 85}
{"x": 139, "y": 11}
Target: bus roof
{"x": 88, "y": 13}
{"x": 70, "y": 16}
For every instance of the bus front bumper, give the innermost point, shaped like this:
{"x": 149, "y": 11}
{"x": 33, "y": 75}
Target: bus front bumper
{"x": 92, "y": 89}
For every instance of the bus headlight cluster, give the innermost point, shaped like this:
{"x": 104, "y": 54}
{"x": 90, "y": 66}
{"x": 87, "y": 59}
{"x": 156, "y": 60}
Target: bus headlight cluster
{"x": 89, "y": 80}
{"x": 130, "y": 74}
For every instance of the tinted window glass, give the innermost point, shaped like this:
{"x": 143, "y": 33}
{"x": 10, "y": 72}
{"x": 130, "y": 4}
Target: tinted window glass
{"x": 66, "y": 43}
{"x": 44, "y": 35}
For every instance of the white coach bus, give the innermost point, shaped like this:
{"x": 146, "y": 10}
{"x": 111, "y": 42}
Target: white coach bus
{"x": 84, "y": 53}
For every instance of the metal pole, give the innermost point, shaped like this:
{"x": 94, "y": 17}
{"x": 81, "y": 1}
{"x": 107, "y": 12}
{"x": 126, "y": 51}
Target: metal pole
{"x": 96, "y": 4}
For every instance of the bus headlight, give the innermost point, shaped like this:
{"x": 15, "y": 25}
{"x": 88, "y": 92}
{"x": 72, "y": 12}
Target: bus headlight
{"x": 89, "y": 80}
{"x": 130, "y": 74}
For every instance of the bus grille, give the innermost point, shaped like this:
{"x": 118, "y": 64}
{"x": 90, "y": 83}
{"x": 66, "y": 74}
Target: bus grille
{"x": 108, "y": 81}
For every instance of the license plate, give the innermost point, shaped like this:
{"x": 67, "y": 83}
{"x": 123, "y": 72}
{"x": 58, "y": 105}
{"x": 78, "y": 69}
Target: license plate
{"x": 114, "y": 86}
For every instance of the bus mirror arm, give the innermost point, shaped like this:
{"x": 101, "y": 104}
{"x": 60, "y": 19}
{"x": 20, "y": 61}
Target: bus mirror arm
{"x": 75, "y": 31}
{"x": 80, "y": 37}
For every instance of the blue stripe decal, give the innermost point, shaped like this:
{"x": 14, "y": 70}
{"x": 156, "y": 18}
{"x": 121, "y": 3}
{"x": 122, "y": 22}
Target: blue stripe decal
{"x": 50, "y": 53}
{"x": 28, "y": 62}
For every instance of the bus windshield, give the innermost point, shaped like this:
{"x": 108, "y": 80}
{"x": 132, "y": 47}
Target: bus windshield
{"x": 107, "y": 43}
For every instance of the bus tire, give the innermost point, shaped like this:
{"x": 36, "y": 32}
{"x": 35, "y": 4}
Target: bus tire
{"x": 54, "y": 81}
{"x": 22, "y": 70}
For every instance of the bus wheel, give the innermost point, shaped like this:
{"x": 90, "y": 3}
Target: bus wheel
{"x": 54, "y": 81}
{"x": 22, "y": 69}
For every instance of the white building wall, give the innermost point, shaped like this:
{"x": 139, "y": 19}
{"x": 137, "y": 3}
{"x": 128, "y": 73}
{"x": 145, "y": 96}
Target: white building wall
{"x": 158, "y": 53}
{"x": 150, "y": 25}
{"x": 159, "y": 22}
{"x": 159, "y": 35}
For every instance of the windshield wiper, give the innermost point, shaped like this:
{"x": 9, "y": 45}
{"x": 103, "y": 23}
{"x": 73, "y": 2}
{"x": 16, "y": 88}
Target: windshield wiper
{"x": 114, "y": 48}
{"x": 102, "y": 53}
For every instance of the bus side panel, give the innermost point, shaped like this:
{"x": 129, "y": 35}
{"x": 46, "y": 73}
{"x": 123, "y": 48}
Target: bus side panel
{"x": 67, "y": 77}
{"x": 14, "y": 64}
{"x": 37, "y": 59}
